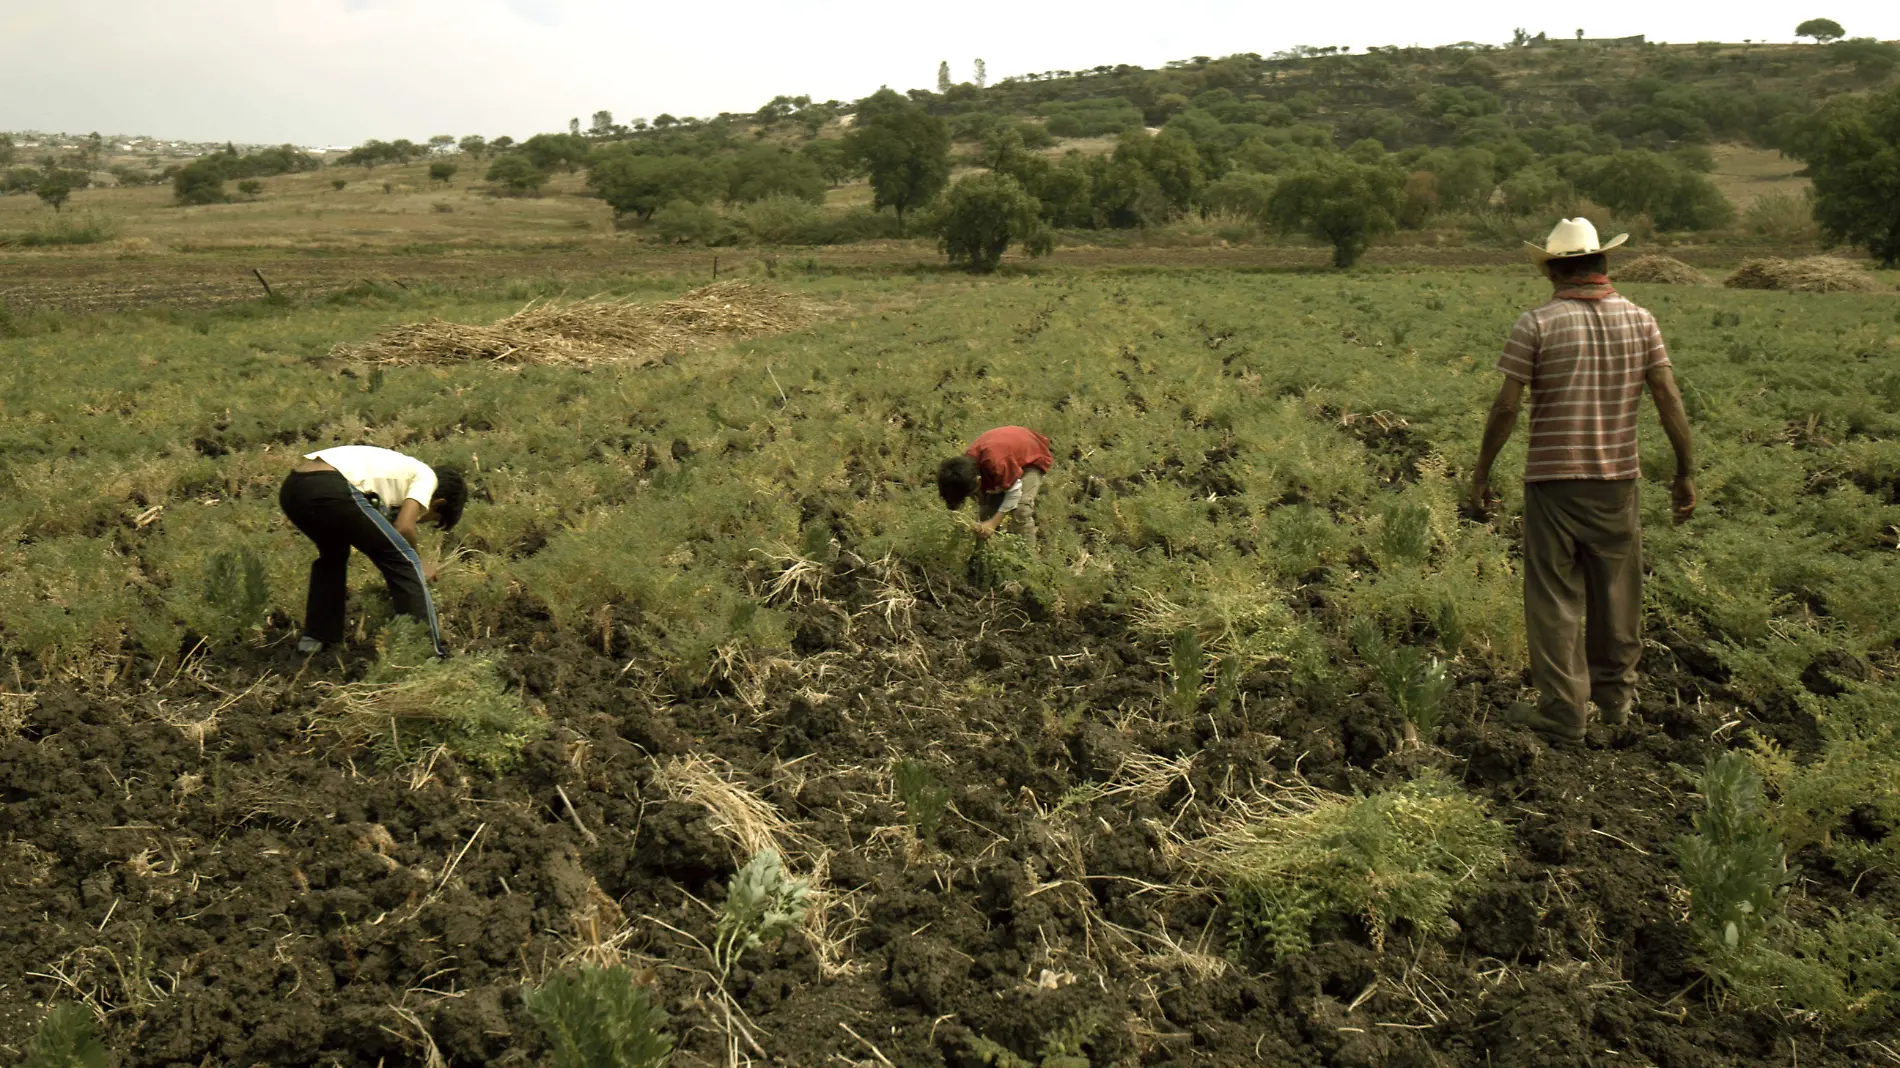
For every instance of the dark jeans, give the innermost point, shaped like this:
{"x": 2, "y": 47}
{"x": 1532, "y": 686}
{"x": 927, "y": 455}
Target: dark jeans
{"x": 1583, "y": 594}
{"x": 332, "y": 513}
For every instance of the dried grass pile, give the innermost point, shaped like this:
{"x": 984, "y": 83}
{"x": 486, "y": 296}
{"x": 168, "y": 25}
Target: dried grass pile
{"x": 1816, "y": 274}
{"x": 1665, "y": 269}
{"x": 596, "y": 331}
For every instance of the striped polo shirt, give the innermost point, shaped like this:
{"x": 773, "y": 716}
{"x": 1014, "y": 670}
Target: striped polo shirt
{"x": 1584, "y": 360}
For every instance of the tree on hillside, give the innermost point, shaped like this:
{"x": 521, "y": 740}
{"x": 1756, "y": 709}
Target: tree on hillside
{"x": 1822, "y": 30}
{"x": 501, "y": 144}
{"x": 1638, "y": 182}
{"x": 1170, "y": 159}
{"x": 442, "y": 171}
{"x": 639, "y": 185}
{"x": 514, "y": 175}
{"x": 441, "y": 143}
{"x": 1341, "y": 202}
{"x": 982, "y": 74}
{"x": 7, "y": 151}
{"x": 943, "y": 76}
{"x": 602, "y": 124}
{"x": 1853, "y": 155}
{"x": 200, "y": 182}
{"x": 905, "y": 149}
{"x": 832, "y": 161}
{"x": 473, "y": 146}
{"x": 547, "y": 151}
{"x": 771, "y": 170}
{"x": 54, "y": 188}
{"x": 984, "y": 215}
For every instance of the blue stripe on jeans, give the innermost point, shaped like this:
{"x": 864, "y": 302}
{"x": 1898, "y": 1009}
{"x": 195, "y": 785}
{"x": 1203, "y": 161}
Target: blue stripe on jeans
{"x": 415, "y": 559}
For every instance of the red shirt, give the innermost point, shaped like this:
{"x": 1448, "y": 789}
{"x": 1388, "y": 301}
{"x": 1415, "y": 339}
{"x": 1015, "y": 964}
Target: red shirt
{"x": 1001, "y": 455}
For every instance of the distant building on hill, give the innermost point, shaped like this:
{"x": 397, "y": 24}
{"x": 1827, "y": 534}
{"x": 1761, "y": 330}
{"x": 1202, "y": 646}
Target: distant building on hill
{"x": 1541, "y": 41}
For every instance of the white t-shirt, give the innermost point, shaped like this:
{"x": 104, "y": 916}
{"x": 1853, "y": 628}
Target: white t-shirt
{"x": 387, "y": 478}
{"x": 1011, "y": 498}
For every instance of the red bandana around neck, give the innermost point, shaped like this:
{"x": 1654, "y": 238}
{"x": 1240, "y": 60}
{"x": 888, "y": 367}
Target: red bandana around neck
{"x": 1585, "y": 287}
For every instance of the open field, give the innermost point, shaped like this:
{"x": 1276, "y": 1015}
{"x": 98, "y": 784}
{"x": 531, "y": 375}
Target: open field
{"x": 726, "y": 591}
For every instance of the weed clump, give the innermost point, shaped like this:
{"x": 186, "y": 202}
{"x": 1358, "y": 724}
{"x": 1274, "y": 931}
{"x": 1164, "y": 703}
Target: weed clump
{"x": 411, "y": 702}
{"x": 236, "y": 591}
{"x": 67, "y": 1037}
{"x": 1845, "y": 973}
{"x": 1310, "y": 860}
{"x": 923, "y": 797}
{"x": 1415, "y": 680}
{"x": 599, "y": 1018}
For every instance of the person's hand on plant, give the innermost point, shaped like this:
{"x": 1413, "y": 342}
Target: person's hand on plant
{"x": 1682, "y": 497}
{"x": 1482, "y": 499}
{"x": 428, "y": 571}
{"x": 988, "y": 527}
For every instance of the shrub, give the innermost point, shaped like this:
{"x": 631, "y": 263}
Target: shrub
{"x": 83, "y": 229}
{"x": 250, "y": 187}
{"x": 987, "y": 213}
{"x": 599, "y": 1018}
{"x": 684, "y": 222}
{"x": 410, "y": 701}
{"x": 780, "y": 220}
{"x": 1404, "y": 854}
{"x": 200, "y": 182}
{"x": 442, "y": 171}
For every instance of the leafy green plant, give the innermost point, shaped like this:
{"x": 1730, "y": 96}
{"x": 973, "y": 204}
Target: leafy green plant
{"x": 599, "y": 1018}
{"x": 923, "y": 797}
{"x": 1187, "y": 662}
{"x": 1414, "y": 679}
{"x": 237, "y": 590}
{"x": 1061, "y": 1048}
{"x": 1405, "y": 532}
{"x": 1733, "y": 863}
{"x": 1405, "y": 854}
{"x": 67, "y": 1037}
{"x": 763, "y": 904}
{"x": 410, "y": 701}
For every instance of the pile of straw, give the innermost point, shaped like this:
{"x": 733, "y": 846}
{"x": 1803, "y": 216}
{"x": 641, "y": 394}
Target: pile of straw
{"x": 595, "y": 331}
{"x": 1816, "y": 274}
{"x": 1664, "y": 269}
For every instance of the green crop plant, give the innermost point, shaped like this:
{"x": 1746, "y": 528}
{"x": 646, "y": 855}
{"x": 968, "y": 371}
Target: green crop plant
{"x": 66, "y": 1037}
{"x": 410, "y": 702}
{"x": 1733, "y": 863}
{"x": 1414, "y": 679}
{"x": 1187, "y": 664}
{"x": 1405, "y": 533}
{"x": 924, "y": 798}
{"x": 1065, "y": 1047}
{"x": 763, "y": 904}
{"x": 1858, "y": 771}
{"x": 237, "y": 590}
{"x": 599, "y": 1018}
{"x": 1324, "y": 862}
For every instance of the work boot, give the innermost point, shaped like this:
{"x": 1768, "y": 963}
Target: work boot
{"x": 1617, "y": 713}
{"x": 1524, "y": 714}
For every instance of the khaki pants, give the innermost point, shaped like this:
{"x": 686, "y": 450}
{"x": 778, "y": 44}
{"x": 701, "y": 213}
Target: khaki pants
{"x": 1583, "y": 594}
{"x": 1024, "y": 514}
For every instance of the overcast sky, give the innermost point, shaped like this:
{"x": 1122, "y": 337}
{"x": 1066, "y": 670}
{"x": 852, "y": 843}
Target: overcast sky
{"x": 331, "y": 72}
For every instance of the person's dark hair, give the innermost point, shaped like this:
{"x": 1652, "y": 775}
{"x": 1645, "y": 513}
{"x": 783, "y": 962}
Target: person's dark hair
{"x": 1575, "y": 266}
{"x": 957, "y": 479}
{"x": 451, "y": 490}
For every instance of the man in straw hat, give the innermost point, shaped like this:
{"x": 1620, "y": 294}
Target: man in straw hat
{"x": 1586, "y": 355}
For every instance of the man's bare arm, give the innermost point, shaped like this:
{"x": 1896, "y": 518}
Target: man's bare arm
{"x": 1675, "y": 423}
{"x": 1497, "y": 430}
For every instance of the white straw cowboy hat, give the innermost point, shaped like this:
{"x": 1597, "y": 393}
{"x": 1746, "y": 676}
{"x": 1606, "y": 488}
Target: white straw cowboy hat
{"x": 1572, "y": 237}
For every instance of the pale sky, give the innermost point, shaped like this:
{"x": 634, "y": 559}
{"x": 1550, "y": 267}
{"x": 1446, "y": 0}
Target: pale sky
{"x": 331, "y": 72}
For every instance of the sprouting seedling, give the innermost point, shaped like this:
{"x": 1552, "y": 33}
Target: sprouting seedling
{"x": 598, "y": 1017}
{"x": 763, "y": 903}
{"x": 67, "y": 1037}
{"x": 923, "y": 797}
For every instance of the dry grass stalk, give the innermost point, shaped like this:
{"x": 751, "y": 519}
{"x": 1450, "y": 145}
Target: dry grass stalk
{"x": 1815, "y": 274}
{"x": 596, "y": 330}
{"x": 1665, "y": 269}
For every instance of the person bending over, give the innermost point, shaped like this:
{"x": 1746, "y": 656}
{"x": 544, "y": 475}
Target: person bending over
{"x": 370, "y": 499}
{"x": 1585, "y": 356}
{"x": 1003, "y": 469}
